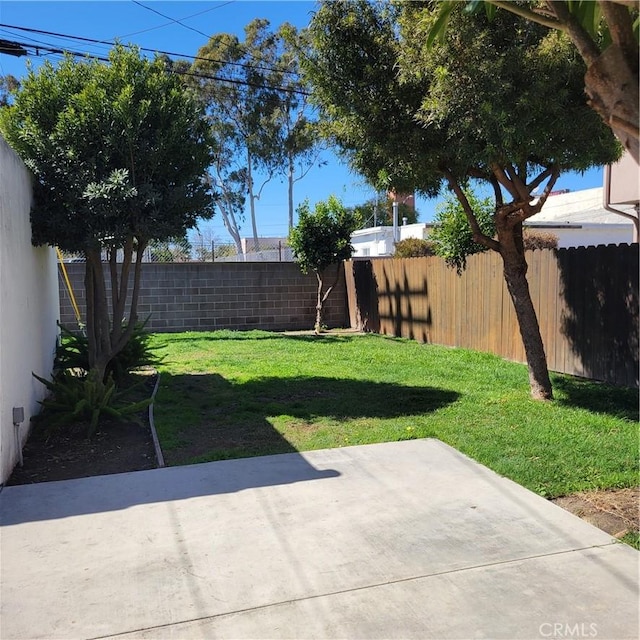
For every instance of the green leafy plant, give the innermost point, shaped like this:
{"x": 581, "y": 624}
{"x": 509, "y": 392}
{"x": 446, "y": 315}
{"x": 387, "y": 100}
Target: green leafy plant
{"x": 322, "y": 238}
{"x": 73, "y": 353}
{"x": 119, "y": 153}
{"x": 78, "y": 399}
{"x": 452, "y": 236}
{"x": 414, "y": 248}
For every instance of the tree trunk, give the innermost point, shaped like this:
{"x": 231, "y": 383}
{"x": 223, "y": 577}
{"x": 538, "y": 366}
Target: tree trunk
{"x": 252, "y": 204}
{"x": 515, "y": 274}
{"x": 97, "y": 314}
{"x": 290, "y": 177}
{"x": 612, "y": 87}
{"x": 319, "y": 303}
{"x": 611, "y": 81}
{"x": 108, "y": 336}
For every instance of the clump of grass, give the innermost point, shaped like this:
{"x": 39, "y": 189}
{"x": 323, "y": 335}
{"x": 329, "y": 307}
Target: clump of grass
{"x": 632, "y": 538}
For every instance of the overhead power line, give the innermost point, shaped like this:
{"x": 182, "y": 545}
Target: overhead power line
{"x": 186, "y": 26}
{"x": 177, "y": 21}
{"x": 20, "y": 49}
{"x": 147, "y": 49}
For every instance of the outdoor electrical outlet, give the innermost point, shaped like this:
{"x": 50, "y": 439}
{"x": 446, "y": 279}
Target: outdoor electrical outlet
{"x": 18, "y": 415}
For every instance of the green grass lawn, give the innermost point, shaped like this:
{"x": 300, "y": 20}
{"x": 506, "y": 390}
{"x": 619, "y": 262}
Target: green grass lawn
{"x": 236, "y": 394}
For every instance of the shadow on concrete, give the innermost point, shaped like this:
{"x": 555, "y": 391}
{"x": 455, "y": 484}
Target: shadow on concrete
{"x": 98, "y": 494}
{"x": 223, "y": 420}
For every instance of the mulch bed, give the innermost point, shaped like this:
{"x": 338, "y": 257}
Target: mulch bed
{"x": 116, "y": 447}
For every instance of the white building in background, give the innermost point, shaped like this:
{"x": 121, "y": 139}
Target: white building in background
{"x": 579, "y": 219}
{"x": 378, "y": 241}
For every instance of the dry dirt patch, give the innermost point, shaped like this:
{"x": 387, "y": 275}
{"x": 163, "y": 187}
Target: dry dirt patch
{"x": 615, "y": 511}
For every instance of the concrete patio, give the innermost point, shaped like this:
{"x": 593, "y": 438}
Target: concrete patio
{"x": 399, "y": 540}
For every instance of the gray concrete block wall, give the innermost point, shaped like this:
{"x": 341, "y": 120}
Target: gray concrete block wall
{"x": 273, "y": 296}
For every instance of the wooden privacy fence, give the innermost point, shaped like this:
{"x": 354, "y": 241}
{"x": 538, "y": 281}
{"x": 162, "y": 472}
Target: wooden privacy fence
{"x": 586, "y": 299}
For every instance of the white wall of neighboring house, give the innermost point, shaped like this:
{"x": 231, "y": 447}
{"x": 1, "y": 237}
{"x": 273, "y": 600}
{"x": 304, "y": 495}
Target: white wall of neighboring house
{"x": 579, "y": 219}
{"x": 378, "y": 241}
{"x": 29, "y": 309}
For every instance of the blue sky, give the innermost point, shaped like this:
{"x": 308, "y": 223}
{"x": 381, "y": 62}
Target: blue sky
{"x": 128, "y": 21}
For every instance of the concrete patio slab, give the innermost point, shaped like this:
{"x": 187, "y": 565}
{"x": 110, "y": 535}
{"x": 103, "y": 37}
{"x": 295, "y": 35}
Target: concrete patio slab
{"x": 397, "y": 540}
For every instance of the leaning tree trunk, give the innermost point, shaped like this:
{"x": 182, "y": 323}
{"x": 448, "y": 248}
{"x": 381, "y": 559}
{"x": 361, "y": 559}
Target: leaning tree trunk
{"x": 612, "y": 87}
{"x": 322, "y": 297}
{"x": 611, "y": 81}
{"x": 515, "y": 275}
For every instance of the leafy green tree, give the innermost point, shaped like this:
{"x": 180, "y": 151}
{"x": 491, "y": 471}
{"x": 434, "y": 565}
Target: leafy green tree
{"x": 242, "y": 112}
{"x": 171, "y": 250}
{"x": 119, "y": 153}
{"x": 300, "y": 139}
{"x": 605, "y": 33}
{"x": 322, "y": 238}
{"x": 508, "y": 110}
{"x": 452, "y": 236}
{"x": 8, "y": 85}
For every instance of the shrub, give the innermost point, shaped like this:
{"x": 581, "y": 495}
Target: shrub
{"x": 539, "y": 240}
{"x": 78, "y": 399}
{"x": 452, "y": 236}
{"x": 413, "y": 248}
{"x": 73, "y": 353}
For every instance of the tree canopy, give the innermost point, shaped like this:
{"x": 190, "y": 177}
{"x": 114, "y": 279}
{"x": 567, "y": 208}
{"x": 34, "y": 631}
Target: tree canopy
{"x": 500, "y": 101}
{"x": 259, "y": 118}
{"x": 322, "y": 238}
{"x": 605, "y": 33}
{"x": 119, "y": 153}
{"x": 451, "y": 235}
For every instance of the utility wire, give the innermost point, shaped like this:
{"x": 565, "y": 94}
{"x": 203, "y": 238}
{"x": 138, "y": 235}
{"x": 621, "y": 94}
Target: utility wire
{"x": 203, "y": 76}
{"x": 166, "y": 53}
{"x": 186, "y": 26}
{"x": 179, "y": 21}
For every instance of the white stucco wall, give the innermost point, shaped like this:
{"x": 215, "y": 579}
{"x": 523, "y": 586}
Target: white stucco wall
{"x": 579, "y": 219}
{"x": 29, "y": 308}
{"x": 587, "y": 235}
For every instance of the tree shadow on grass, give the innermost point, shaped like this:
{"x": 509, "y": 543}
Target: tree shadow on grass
{"x": 206, "y": 417}
{"x": 618, "y": 402}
